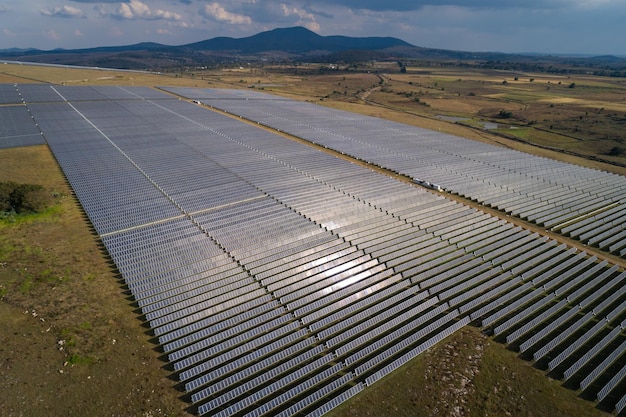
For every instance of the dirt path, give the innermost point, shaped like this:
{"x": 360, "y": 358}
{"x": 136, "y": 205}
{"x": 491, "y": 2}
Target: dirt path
{"x": 365, "y": 95}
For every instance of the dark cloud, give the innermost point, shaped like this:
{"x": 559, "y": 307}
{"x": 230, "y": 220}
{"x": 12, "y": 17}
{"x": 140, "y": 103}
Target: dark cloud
{"x": 317, "y": 12}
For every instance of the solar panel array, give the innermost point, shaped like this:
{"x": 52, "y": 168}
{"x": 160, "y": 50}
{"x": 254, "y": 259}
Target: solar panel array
{"x": 17, "y": 127}
{"x": 281, "y": 280}
{"x": 9, "y": 94}
{"x": 583, "y": 203}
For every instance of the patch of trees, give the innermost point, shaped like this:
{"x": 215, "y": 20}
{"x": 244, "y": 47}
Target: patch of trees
{"x": 23, "y": 198}
{"x": 505, "y": 114}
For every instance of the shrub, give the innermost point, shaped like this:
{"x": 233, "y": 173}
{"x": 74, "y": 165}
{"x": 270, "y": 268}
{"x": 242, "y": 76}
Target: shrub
{"x": 617, "y": 151}
{"x": 23, "y": 198}
{"x": 505, "y": 114}
{"x": 6, "y": 188}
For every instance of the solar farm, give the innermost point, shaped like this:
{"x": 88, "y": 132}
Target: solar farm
{"x": 281, "y": 279}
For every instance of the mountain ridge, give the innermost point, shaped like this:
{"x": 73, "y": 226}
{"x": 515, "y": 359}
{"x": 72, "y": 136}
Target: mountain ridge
{"x": 294, "y": 39}
{"x": 293, "y": 44}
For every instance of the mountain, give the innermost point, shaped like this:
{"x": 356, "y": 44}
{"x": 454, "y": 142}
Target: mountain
{"x": 301, "y": 44}
{"x": 297, "y": 40}
{"x": 282, "y": 43}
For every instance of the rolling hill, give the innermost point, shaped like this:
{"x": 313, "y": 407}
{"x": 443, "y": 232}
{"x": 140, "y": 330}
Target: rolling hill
{"x": 300, "y": 44}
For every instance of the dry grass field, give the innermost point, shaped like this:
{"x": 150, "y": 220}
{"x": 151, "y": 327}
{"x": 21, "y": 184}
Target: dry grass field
{"x": 73, "y": 342}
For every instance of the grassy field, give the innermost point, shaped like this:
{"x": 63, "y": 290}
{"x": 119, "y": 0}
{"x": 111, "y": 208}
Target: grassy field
{"x": 74, "y": 343}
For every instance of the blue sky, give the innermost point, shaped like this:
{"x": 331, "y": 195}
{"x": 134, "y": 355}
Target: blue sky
{"x": 547, "y": 26}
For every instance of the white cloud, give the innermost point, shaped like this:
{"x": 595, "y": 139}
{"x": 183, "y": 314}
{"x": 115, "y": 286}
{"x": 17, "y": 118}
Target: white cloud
{"x": 593, "y": 4}
{"x": 216, "y": 12}
{"x": 139, "y": 10}
{"x": 52, "y": 34}
{"x": 306, "y": 19}
{"x": 116, "y": 32}
{"x": 65, "y": 11}
{"x": 7, "y": 32}
{"x": 78, "y": 33}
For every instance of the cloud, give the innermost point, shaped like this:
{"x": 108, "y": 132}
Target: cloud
{"x": 65, "y": 11}
{"x": 136, "y": 9}
{"x": 7, "y": 32}
{"x": 101, "y": 1}
{"x": 52, "y": 34}
{"x": 216, "y": 12}
{"x": 319, "y": 13}
{"x": 116, "y": 32}
{"x": 411, "y": 5}
{"x": 306, "y": 18}
{"x": 78, "y": 33}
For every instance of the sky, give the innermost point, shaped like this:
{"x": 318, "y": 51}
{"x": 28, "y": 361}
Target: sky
{"x": 596, "y": 27}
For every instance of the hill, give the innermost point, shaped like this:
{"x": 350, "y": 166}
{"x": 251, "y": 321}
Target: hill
{"x": 291, "y": 43}
{"x": 295, "y": 40}
{"x": 300, "y": 44}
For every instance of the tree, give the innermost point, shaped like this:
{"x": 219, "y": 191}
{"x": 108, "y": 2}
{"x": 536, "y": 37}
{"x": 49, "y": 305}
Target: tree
{"x": 505, "y": 114}
{"x": 23, "y": 198}
{"x": 6, "y": 188}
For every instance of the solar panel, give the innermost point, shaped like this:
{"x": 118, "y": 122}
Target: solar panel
{"x": 246, "y": 250}
{"x": 9, "y": 94}
{"x": 18, "y": 128}
{"x": 484, "y": 174}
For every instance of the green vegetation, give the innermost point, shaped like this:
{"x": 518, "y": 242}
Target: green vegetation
{"x": 23, "y": 198}
{"x": 79, "y": 360}
{"x": 505, "y": 114}
{"x": 617, "y": 151}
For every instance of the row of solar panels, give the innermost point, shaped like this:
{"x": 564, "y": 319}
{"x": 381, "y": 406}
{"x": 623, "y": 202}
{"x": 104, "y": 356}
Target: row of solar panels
{"x": 17, "y": 127}
{"x": 546, "y": 192}
{"x": 311, "y": 279}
